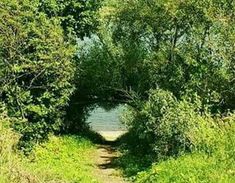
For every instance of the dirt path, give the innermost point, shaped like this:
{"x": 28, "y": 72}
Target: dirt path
{"x": 106, "y": 171}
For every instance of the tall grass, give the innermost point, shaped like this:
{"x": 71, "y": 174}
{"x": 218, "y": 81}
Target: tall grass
{"x": 11, "y": 163}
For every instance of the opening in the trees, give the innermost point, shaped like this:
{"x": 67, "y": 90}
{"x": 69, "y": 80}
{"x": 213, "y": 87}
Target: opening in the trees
{"x": 107, "y": 121}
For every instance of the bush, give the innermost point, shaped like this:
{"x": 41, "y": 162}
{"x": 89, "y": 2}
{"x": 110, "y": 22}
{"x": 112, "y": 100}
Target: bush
{"x": 183, "y": 129}
{"x": 170, "y": 127}
{"x": 218, "y": 167}
{"x": 36, "y": 68}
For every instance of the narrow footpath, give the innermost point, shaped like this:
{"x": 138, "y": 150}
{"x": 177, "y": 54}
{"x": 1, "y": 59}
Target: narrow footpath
{"x": 105, "y": 170}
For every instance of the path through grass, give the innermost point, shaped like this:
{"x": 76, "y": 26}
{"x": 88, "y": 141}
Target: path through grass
{"x": 107, "y": 171}
{"x": 73, "y": 159}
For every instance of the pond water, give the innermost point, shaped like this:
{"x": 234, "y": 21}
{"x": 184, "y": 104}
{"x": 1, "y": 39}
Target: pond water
{"x": 103, "y": 120}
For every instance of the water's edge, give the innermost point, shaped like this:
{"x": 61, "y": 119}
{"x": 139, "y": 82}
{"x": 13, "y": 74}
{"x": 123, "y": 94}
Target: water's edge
{"x": 102, "y": 120}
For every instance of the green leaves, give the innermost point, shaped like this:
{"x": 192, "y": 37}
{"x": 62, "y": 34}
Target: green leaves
{"x": 77, "y": 17}
{"x": 168, "y": 127}
{"x": 187, "y": 46}
{"x": 37, "y": 68}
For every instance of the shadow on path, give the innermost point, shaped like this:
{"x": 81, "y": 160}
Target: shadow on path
{"x": 107, "y": 170}
{"x": 111, "y": 165}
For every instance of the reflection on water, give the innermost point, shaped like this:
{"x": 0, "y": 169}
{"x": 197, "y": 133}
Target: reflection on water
{"x": 102, "y": 120}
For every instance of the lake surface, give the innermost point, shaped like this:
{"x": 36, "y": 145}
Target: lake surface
{"x": 102, "y": 120}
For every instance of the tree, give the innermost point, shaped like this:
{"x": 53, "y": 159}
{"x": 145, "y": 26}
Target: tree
{"x": 185, "y": 47}
{"x": 36, "y": 68}
{"x": 78, "y": 17}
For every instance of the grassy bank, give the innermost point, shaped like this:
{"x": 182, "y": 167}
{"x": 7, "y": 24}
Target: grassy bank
{"x": 61, "y": 160}
{"x": 217, "y": 167}
{"x": 196, "y": 167}
{"x": 211, "y": 165}
{"x": 70, "y": 159}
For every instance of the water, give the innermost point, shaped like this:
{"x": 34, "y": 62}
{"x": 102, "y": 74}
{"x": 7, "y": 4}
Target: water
{"x": 102, "y": 120}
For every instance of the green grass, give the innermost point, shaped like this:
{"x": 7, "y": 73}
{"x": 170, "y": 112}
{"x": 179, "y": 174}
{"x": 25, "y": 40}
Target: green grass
{"x": 63, "y": 159}
{"x": 218, "y": 166}
{"x": 130, "y": 164}
{"x": 70, "y": 159}
{"x": 191, "y": 168}
{"x": 214, "y": 163}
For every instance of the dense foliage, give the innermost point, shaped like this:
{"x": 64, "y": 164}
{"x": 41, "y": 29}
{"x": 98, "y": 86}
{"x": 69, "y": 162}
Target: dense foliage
{"x": 198, "y": 166}
{"x": 172, "y": 62}
{"x": 78, "y": 17}
{"x": 185, "y": 47}
{"x": 177, "y": 58}
{"x": 37, "y": 60}
{"x": 36, "y": 68}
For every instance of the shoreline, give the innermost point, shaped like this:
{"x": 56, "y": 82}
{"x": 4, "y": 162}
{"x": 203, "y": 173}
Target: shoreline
{"x": 111, "y": 135}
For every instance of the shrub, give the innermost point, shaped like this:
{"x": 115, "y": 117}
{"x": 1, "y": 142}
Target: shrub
{"x": 144, "y": 119}
{"x": 183, "y": 129}
{"x": 170, "y": 127}
{"x": 36, "y": 68}
{"x": 218, "y": 167}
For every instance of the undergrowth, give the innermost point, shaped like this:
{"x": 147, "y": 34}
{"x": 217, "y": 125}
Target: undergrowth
{"x": 215, "y": 163}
